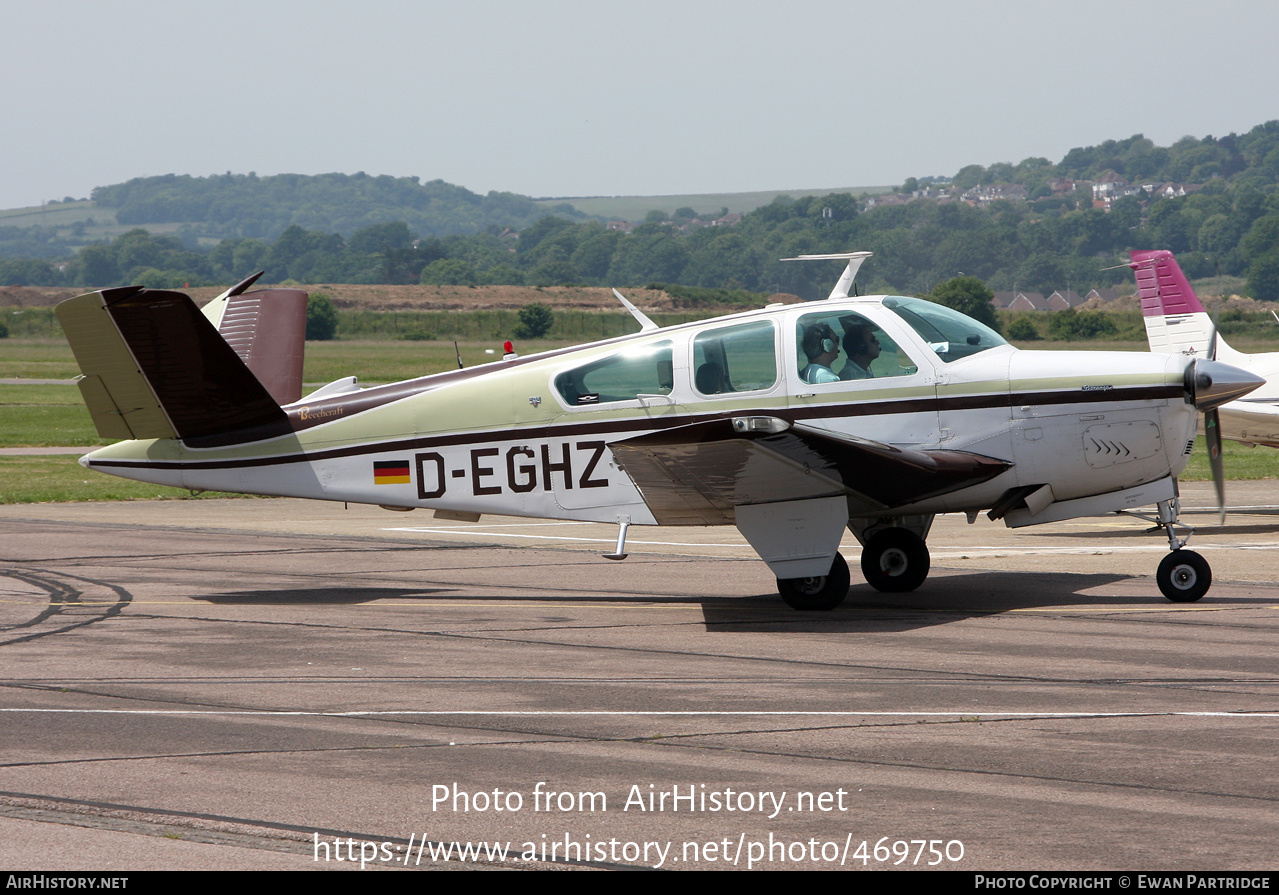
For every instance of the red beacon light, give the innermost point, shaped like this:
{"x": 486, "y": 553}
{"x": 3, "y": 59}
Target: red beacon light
{"x": 508, "y": 349}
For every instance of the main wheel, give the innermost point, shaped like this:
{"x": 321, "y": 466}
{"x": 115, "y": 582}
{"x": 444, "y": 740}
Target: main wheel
{"x": 895, "y": 560}
{"x": 821, "y": 593}
{"x": 1184, "y": 576}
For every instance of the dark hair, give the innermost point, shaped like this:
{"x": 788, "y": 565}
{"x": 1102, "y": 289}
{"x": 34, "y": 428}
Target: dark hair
{"x": 857, "y": 339}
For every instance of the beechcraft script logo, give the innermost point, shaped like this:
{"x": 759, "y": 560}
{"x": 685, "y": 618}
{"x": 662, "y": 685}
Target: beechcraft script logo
{"x": 391, "y": 472}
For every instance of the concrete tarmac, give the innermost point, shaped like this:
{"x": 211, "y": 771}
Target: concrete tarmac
{"x": 245, "y": 684}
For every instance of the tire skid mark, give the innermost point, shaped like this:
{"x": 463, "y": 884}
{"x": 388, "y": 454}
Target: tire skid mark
{"x": 67, "y": 607}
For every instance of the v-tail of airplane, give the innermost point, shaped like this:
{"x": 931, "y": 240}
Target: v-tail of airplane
{"x": 155, "y": 366}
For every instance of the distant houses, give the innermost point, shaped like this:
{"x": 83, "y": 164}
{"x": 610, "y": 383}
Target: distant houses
{"x": 1059, "y": 300}
{"x": 727, "y": 220}
{"x": 995, "y": 192}
{"x": 1111, "y": 188}
{"x": 1106, "y": 190}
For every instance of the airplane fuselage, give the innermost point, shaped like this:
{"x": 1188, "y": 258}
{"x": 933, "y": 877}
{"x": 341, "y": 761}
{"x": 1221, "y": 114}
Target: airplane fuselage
{"x": 532, "y": 436}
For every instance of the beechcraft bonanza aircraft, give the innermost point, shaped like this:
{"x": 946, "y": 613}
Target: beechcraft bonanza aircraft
{"x": 1176, "y": 323}
{"x": 791, "y": 422}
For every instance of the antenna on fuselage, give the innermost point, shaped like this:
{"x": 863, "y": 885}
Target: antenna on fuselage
{"x": 845, "y": 283}
{"x": 458, "y": 352}
{"x": 646, "y": 325}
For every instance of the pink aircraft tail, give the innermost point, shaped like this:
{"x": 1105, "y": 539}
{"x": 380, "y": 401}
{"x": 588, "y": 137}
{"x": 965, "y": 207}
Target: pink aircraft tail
{"x": 1161, "y": 286}
{"x": 1176, "y": 322}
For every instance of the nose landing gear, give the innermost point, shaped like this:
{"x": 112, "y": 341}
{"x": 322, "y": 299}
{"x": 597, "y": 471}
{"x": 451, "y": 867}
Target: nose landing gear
{"x": 1183, "y": 576}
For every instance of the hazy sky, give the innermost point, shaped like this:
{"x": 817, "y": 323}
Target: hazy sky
{"x": 569, "y": 98}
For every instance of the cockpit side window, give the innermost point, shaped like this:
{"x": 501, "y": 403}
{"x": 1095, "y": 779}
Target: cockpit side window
{"x": 625, "y": 376}
{"x": 739, "y": 358}
{"x": 835, "y": 347}
{"x": 950, "y": 334}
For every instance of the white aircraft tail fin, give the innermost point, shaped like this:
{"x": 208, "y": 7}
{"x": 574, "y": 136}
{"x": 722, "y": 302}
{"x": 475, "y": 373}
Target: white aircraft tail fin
{"x": 1176, "y": 322}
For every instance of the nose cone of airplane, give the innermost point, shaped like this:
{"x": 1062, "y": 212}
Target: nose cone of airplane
{"x": 1210, "y": 383}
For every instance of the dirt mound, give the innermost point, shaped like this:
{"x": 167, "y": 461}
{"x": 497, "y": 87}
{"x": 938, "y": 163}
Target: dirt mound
{"x": 483, "y": 298}
{"x": 32, "y": 296}
{"x": 418, "y": 298}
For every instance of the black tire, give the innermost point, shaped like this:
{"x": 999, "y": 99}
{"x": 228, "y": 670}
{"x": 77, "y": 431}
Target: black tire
{"x": 1184, "y": 576}
{"x": 821, "y": 593}
{"x": 895, "y": 561}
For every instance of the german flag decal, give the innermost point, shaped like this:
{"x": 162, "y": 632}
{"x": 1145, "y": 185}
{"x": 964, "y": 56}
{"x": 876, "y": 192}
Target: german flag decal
{"x": 391, "y": 472}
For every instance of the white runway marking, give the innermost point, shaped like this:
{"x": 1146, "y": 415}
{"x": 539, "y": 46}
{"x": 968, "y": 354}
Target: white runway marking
{"x": 966, "y": 714}
{"x": 945, "y": 553}
{"x": 629, "y": 541}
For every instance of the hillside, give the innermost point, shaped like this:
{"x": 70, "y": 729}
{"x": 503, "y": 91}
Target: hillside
{"x": 636, "y": 208}
{"x": 1033, "y": 226}
{"x": 206, "y": 210}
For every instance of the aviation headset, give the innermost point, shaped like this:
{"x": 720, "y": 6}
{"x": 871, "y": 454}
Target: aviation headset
{"x": 818, "y": 340}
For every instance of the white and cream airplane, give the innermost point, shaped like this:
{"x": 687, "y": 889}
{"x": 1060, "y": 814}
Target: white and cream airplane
{"x": 1176, "y": 323}
{"x": 792, "y": 422}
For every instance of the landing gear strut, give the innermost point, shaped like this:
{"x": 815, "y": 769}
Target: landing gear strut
{"x": 1183, "y": 576}
{"x": 821, "y": 592}
{"x": 895, "y": 560}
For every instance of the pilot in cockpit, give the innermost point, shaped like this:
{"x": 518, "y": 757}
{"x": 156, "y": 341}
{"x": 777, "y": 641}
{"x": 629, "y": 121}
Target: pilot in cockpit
{"x": 821, "y": 347}
{"x": 862, "y": 347}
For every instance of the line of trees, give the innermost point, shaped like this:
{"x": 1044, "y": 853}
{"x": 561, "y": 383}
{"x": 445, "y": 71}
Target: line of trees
{"x": 1229, "y": 224}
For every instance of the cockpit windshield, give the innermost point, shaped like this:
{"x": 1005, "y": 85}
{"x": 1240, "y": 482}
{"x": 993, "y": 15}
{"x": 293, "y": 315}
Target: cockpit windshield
{"x": 950, "y": 334}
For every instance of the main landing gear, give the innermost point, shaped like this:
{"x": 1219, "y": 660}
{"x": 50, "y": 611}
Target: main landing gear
{"x": 1183, "y": 576}
{"x": 818, "y": 593}
{"x": 894, "y": 560}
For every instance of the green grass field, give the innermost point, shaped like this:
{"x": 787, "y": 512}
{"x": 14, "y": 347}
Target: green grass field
{"x": 37, "y": 359}
{"x": 57, "y": 418}
{"x": 371, "y": 361}
{"x": 60, "y": 478}
{"x": 1242, "y": 463}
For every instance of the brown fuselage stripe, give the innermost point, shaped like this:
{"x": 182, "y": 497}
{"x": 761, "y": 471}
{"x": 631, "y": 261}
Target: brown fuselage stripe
{"x": 790, "y": 414}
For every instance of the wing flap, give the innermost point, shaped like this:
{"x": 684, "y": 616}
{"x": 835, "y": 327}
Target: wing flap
{"x": 697, "y": 474}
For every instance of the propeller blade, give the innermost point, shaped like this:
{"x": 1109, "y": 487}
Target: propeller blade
{"x": 1212, "y": 434}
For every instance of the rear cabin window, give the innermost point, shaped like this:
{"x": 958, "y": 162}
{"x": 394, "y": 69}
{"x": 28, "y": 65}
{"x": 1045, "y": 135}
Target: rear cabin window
{"x": 625, "y": 376}
{"x": 735, "y": 359}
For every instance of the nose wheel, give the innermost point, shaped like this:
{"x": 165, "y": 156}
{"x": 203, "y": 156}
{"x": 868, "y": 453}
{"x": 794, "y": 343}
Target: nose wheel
{"x": 820, "y": 592}
{"x": 1184, "y": 576}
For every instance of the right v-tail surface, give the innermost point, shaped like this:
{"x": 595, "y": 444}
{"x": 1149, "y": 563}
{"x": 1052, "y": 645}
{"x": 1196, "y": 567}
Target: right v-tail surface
{"x": 1176, "y": 323}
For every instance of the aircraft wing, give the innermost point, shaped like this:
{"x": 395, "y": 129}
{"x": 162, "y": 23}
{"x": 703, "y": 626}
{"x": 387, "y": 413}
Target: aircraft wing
{"x": 1254, "y": 422}
{"x": 697, "y": 474}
